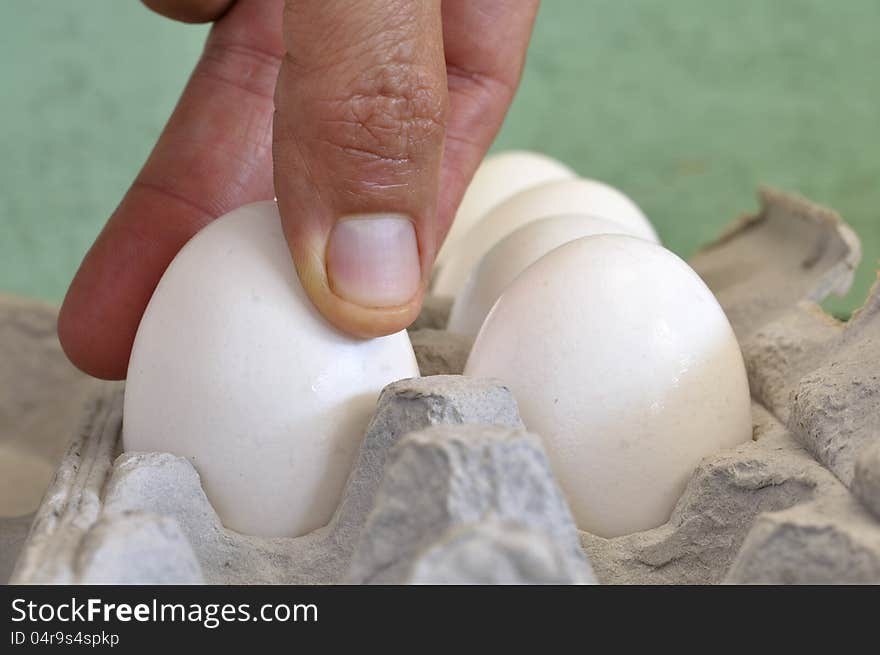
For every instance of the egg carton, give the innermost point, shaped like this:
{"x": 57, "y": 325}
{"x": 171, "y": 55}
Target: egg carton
{"x": 449, "y": 487}
{"x": 41, "y": 397}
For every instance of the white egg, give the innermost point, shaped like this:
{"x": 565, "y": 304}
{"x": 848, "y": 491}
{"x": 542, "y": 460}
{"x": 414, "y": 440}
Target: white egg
{"x": 499, "y": 177}
{"x": 510, "y": 257}
{"x": 623, "y": 361}
{"x": 233, "y": 368}
{"x": 578, "y": 196}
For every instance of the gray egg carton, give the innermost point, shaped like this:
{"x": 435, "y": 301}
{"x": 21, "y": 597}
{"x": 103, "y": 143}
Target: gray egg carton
{"x": 449, "y": 487}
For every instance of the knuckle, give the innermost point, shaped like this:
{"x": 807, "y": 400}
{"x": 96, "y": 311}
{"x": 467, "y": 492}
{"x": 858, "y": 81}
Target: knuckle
{"x": 392, "y": 112}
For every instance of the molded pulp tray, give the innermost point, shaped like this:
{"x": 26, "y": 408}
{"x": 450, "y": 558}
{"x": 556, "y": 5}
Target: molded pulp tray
{"x": 448, "y": 487}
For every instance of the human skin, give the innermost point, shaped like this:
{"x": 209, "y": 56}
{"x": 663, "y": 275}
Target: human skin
{"x": 346, "y": 110}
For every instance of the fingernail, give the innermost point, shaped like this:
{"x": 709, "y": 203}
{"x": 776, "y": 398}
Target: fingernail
{"x": 373, "y": 260}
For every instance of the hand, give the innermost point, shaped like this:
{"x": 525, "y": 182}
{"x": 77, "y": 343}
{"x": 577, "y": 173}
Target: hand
{"x": 382, "y": 111}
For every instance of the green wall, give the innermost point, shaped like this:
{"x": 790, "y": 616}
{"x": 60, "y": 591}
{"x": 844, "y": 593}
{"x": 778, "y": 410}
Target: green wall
{"x": 686, "y": 105}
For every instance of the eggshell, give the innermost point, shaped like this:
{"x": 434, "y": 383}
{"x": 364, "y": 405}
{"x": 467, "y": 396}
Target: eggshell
{"x": 510, "y": 257}
{"x": 578, "y": 196}
{"x": 499, "y": 177}
{"x": 623, "y": 361}
{"x": 233, "y": 368}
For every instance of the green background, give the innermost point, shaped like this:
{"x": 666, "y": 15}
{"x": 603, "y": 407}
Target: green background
{"x": 685, "y": 105}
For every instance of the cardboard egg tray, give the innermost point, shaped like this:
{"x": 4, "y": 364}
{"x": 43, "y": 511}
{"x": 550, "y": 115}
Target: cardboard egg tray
{"x": 449, "y": 487}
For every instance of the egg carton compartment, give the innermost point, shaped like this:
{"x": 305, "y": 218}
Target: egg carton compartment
{"x": 449, "y": 487}
{"x": 41, "y": 396}
{"x": 445, "y": 474}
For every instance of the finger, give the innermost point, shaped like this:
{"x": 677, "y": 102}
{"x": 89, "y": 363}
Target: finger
{"x": 359, "y": 126}
{"x": 213, "y": 156}
{"x": 485, "y": 43}
{"x": 190, "y": 11}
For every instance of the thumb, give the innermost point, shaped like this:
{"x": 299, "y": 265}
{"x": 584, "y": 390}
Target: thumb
{"x": 358, "y": 140}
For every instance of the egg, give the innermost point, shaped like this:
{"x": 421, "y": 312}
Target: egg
{"x": 577, "y": 196}
{"x": 499, "y": 177}
{"x": 234, "y": 369}
{"x": 622, "y": 360}
{"x": 512, "y": 255}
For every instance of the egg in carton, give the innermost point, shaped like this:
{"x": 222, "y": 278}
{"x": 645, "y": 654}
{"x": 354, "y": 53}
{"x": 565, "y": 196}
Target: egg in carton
{"x": 446, "y": 479}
